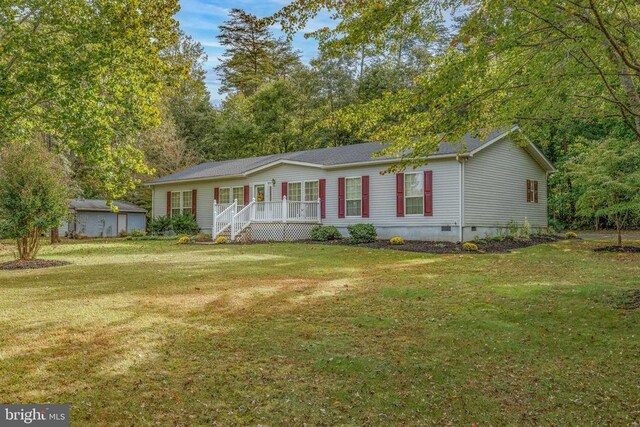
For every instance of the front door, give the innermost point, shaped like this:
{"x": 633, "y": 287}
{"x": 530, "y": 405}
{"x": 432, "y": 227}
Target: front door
{"x": 259, "y": 193}
{"x": 122, "y": 223}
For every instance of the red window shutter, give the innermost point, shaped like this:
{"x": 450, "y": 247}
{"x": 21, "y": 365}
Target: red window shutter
{"x": 285, "y": 189}
{"x": 535, "y": 191}
{"x": 428, "y": 193}
{"x": 194, "y": 202}
{"x": 365, "y": 196}
{"x": 216, "y": 194}
{"x": 168, "y": 203}
{"x": 400, "y": 194}
{"x": 246, "y": 195}
{"x": 322, "y": 190}
{"x": 528, "y": 191}
{"x": 340, "y": 197}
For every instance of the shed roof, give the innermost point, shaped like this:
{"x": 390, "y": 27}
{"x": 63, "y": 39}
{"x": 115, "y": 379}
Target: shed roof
{"x": 97, "y": 205}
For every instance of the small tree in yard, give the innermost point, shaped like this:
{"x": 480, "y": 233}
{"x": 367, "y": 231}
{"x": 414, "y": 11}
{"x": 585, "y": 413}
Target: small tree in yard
{"x": 609, "y": 175}
{"x": 33, "y": 195}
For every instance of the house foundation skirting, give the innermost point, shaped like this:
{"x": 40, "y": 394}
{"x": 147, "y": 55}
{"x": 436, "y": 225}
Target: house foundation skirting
{"x": 280, "y": 232}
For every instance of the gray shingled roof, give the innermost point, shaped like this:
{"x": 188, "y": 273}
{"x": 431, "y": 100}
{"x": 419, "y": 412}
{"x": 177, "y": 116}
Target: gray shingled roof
{"x": 101, "y": 206}
{"x": 334, "y": 156}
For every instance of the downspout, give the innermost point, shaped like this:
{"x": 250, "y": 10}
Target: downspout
{"x": 460, "y": 160}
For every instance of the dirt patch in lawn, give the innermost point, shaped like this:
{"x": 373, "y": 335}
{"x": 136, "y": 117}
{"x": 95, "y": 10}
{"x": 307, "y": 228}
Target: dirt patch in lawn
{"x": 627, "y": 249}
{"x": 32, "y": 264}
{"x": 629, "y": 301}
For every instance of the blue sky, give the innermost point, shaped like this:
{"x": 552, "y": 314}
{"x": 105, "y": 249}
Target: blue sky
{"x": 201, "y": 18}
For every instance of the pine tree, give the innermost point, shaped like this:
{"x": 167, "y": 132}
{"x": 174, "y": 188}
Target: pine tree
{"x": 248, "y": 60}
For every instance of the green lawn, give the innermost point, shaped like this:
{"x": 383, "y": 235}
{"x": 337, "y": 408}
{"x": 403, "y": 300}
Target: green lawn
{"x": 152, "y": 332}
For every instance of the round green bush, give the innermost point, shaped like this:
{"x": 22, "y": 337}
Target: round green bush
{"x": 322, "y": 233}
{"x": 571, "y": 235}
{"x": 362, "y": 233}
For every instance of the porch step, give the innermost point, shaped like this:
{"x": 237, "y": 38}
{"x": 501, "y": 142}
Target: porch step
{"x": 243, "y": 236}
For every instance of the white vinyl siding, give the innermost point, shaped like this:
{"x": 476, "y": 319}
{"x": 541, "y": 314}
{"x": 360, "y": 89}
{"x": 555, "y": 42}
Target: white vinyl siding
{"x": 353, "y": 196}
{"x": 495, "y": 191}
{"x": 414, "y": 193}
{"x": 382, "y": 193}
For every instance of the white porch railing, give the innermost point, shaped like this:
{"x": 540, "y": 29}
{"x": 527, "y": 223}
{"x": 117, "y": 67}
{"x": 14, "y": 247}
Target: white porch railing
{"x": 222, "y": 218}
{"x": 237, "y": 218}
{"x": 241, "y": 220}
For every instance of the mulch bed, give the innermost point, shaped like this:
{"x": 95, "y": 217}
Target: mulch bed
{"x": 627, "y": 249}
{"x": 32, "y": 264}
{"x": 449, "y": 247}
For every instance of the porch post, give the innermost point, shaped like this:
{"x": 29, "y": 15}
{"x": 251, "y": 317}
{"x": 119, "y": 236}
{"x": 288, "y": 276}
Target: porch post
{"x": 285, "y": 210}
{"x": 233, "y": 219}
{"x": 214, "y": 228}
{"x": 319, "y": 209}
{"x": 252, "y": 214}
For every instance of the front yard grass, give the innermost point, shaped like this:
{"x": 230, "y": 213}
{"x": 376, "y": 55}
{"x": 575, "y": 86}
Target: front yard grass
{"x": 157, "y": 333}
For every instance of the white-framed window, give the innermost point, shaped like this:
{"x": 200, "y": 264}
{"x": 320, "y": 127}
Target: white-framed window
{"x": 414, "y": 193}
{"x": 353, "y": 196}
{"x": 294, "y": 191}
{"x": 187, "y": 202}
{"x": 238, "y": 194}
{"x": 175, "y": 203}
{"x": 532, "y": 190}
{"x": 225, "y": 195}
{"x": 181, "y": 202}
{"x": 311, "y": 191}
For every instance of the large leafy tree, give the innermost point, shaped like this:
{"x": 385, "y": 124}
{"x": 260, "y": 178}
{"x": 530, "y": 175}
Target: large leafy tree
{"x": 87, "y": 75}
{"x": 526, "y": 62}
{"x": 33, "y": 194}
{"x": 608, "y": 177}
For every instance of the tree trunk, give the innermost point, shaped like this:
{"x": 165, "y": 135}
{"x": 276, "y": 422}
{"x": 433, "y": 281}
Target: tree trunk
{"x": 55, "y": 236}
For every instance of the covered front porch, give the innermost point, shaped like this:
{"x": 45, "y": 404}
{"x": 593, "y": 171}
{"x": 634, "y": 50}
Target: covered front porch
{"x": 270, "y": 218}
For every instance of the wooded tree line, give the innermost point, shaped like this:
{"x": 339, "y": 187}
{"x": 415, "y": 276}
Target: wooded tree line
{"x": 117, "y": 92}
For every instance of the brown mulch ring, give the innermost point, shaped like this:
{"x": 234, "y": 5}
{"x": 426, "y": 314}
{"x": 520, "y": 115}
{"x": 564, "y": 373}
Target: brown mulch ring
{"x": 627, "y": 249}
{"x": 489, "y": 246}
{"x": 32, "y": 264}
{"x": 630, "y": 301}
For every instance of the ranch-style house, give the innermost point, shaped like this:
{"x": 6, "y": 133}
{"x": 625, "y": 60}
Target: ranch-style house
{"x": 475, "y": 188}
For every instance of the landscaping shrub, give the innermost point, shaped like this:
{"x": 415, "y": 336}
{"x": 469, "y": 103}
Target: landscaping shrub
{"x": 221, "y": 240}
{"x": 184, "y": 224}
{"x": 322, "y": 233}
{"x": 159, "y": 225}
{"x": 571, "y": 235}
{"x": 397, "y": 240}
{"x": 137, "y": 233}
{"x": 362, "y": 233}
{"x": 180, "y": 224}
{"x": 470, "y": 247}
{"x": 183, "y": 240}
{"x": 123, "y": 233}
{"x": 201, "y": 237}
